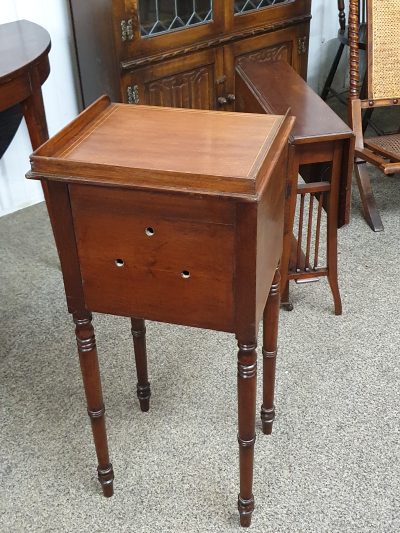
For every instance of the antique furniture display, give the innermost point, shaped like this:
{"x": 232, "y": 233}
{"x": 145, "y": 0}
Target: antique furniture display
{"x": 182, "y": 53}
{"x": 321, "y": 149}
{"x": 172, "y": 215}
{"x": 24, "y": 67}
{"x": 383, "y": 89}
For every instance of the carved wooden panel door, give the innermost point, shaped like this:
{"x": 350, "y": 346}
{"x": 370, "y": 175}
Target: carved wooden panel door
{"x": 288, "y": 45}
{"x": 191, "y": 81}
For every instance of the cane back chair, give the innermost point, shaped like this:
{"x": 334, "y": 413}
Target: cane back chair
{"x": 383, "y": 89}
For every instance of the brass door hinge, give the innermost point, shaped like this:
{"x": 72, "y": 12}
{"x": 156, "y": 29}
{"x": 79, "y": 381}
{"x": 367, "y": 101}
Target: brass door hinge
{"x": 127, "y": 30}
{"x": 133, "y": 94}
{"x": 302, "y": 45}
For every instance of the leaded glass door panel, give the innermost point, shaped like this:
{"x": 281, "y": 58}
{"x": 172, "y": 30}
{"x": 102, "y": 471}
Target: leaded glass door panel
{"x": 164, "y": 16}
{"x": 244, "y": 6}
{"x": 165, "y": 24}
{"x": 250, "y": 13}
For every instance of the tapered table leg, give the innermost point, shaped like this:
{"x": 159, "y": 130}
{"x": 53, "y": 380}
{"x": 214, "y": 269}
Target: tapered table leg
{"x": 247, "y": 378}
{"x": 91, "y": 380}
{"x": 269, "y": 350}
{"x": 139, "y": 345}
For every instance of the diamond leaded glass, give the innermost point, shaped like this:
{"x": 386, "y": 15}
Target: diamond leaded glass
{"x": 164, "y": 16}
{"x": 243, "y": 6}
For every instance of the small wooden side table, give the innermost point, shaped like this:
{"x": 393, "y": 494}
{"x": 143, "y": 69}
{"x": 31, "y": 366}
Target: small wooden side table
{"x": 24, "y": 67}
{"x": 172, "y": 215}
{"x": 321, "y": 148}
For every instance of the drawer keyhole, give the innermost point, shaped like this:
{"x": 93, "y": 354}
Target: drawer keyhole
{"x": 149, "y": 231}
{"x": 185, "y": 274}
{"x": 119, "y": 263}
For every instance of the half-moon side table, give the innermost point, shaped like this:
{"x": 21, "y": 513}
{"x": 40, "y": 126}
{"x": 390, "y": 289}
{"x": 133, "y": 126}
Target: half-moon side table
{"x": 172, "y": 215}
{"x": 24, "y": 67}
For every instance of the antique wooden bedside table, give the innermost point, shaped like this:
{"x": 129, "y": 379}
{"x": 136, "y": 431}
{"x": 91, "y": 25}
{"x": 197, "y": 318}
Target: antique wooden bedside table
{"x": 172, "y": 215}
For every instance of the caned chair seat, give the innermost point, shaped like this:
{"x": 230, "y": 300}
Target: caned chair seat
{"x": 385, "y": 144}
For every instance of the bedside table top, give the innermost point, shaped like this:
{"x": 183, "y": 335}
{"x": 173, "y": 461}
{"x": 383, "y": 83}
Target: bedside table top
{"x": 131, "y": 146}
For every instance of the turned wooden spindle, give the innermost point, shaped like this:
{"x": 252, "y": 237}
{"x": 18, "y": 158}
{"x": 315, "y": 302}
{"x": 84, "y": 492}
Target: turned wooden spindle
{"x": 247, "y": 380}
{"x": 92, "y": 383}
{"x": 342, "y": 16}
{"x": 318, "y": 229}
{"x": 354, "y": 50}
{"x": 139, "y": 345}
{"x": 269, "y": 351}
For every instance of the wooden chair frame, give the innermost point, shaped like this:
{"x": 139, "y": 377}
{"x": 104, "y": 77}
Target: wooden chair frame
{"x": 386, "y": 160}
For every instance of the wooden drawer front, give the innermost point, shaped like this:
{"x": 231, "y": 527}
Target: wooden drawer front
{"x": 175, "y": 269}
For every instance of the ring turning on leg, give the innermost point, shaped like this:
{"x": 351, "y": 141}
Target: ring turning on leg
{"x": 139, "y": 345}
{"x": 247, "y": 380}
{"x": 91, "y": 380}
{"x": 270, "y": 338}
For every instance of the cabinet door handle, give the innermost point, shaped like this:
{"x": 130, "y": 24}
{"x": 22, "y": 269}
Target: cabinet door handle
{"x": 222, "y": 101}
{"x": 231, "y": 98}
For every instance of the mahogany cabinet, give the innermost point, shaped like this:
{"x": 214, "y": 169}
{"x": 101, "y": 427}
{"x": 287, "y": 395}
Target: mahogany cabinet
{"x": 182, "y": 53}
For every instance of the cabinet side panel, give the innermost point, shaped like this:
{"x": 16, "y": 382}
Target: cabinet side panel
{"x": 270, "y": 225}
{"x": 95, "y": 48}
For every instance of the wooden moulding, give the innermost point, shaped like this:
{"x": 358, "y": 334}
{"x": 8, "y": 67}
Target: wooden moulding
{"x": 132, "y": 147}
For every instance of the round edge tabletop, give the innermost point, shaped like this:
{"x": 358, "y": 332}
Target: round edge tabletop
{"x": 21, "y": 43}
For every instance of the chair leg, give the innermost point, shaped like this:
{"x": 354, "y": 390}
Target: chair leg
{"x": 332, "y": 72}
{"x": 139, "y": 346}
{"x": 370, "y": 210}
{"x": 269, "y": 350}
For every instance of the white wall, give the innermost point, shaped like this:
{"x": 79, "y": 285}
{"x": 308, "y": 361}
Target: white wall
{"x": 58, "y": 92}
{"x": 324, "y": 45}
{"x": 60, "y": 95}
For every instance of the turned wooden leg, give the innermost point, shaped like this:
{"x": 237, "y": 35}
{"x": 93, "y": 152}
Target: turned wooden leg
{"x": 247, "y": 378}
{"x": 269, "y": 350}
{"x": 91, "y": 380}
{"x": 139, "y": 345}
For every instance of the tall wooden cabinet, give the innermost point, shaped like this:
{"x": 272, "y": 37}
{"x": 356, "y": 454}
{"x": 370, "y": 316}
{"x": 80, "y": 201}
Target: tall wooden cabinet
{"x": 182, "y": 53}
